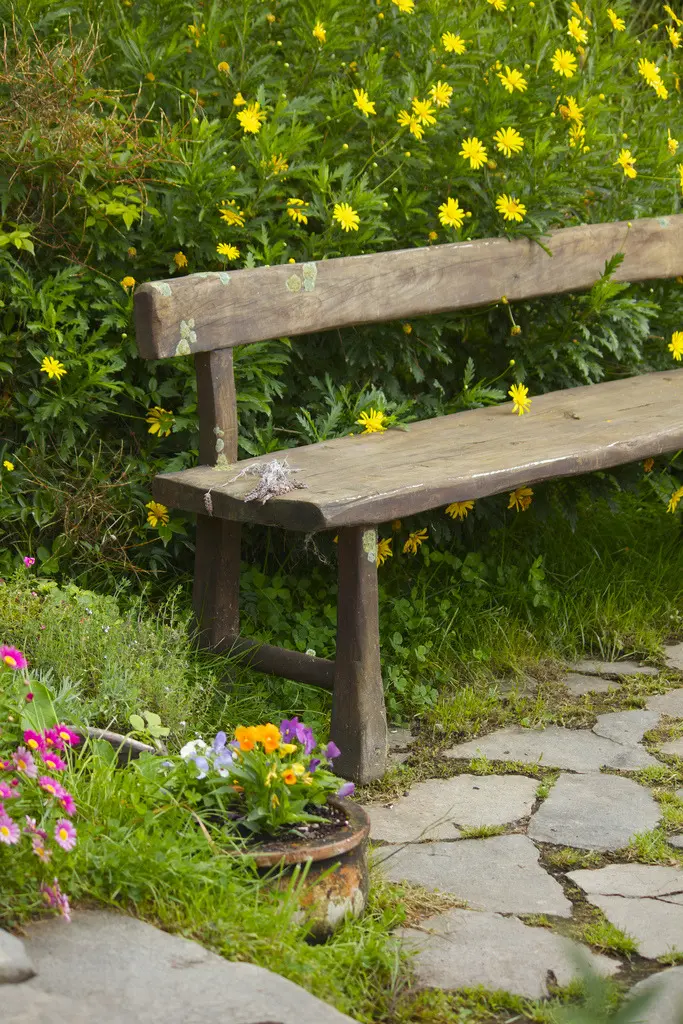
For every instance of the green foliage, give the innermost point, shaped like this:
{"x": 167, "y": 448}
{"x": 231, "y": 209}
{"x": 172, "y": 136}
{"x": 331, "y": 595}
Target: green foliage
{"x": 606, "y": 937}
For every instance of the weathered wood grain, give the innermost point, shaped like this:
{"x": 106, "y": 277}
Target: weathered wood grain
{"x": 359, "y": 725}
{"x": 202, "y": 312}
{"x": 377, "y": 477}
{"x": 279, "y": 661}
{"x": 216, "y": 589}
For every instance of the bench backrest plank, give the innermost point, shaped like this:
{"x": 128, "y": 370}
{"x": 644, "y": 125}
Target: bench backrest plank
{"x": 204, "y": 312}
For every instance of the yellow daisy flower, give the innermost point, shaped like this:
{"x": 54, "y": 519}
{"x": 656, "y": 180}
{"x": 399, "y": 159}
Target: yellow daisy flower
{"x": 675, "y": 346}
{"x": 441, "y": 93}
{"x": 650, "y": 72}
{"x": 157, "y": 513}
{"x": 512, "y": 79}
{"x": 571, "y": 111}
{"x": 520, "y": 403}
{"x": 564, "y": 63}
{"x": 453, "y": 43}
{"x": 648, "y": 465}
{"x": 674, "y": 37}
{"x": 626, "y": 161}
{"x": 363, "y": 102}
{"x": 372, "y": 421}
{"x": 320, "y": 32}
{"x": 577, "y": 135}
{"x": 575, "y": 31}
{"x": 127, "y": 282}
{"x": 224, "y": 67}
{"x": 511, "y": 208}
{"x": 180, "y": 260}
{"x": 508, "y": 141}
{"x": 405, "y": 6}
{"x": 410, "y": 121}
{"x": 474, "y": 151}
{"x": 674, "y": 17}
{"x": 53, "y": 368}
{"x": 346, "y": 216}
{"x": 423, "y": 111}
{"x": 674, "y": 500}
{"x": 239, "y": 100}
{"x": 160, "y": 421}
{"x": 414, "y": 541}
{"x": 383, "y": 551}
{"x": 251, "y": 118}
{"x": 520, "y": 499}
{"x": 618, "y": 24}
{"x": 232, "y": 215}
{"x": 225, "y": 249}
{"x": 459, "y": 509}
{"x": 9, "y": 466}
{"x": 451, "y": 214}
{"x": 295, "y": 211}
{"x": 278, "y": 164}
{"x": 499, "y": 5}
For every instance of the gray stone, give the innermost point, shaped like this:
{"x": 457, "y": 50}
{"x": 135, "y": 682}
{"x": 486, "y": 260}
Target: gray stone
{"x": 670, "y": 703}
{"x": 578, "y": 684}
{"x": 679, "y": 794}
{"x": 614, "y": 668}
{"x": 643, "y": 900}
{"x": 138, "y": 973}
{"x": 463, "y": 949}
{"x": 673, "y": 656}
{"x": 29, "y": 1004}
{"x": 676, "y": 841}
{"x": 672, "y": 747}
{"x": 398, "y": 738}
{"x": 15, "y": 965}
{"x": 500, "y": 874}
{"x": 666, "y": 990}
{"x": 578, "y": 750}
{"x": 626, "y": 727}
{"x": 594, "y": 812}
{"x": 434, "y": 809}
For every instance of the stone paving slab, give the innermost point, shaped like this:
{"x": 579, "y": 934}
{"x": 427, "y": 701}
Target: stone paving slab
{"x": 578, "y": 750}
{"x": 15, "y": 965}
{"x": 666, "y": 1006}
{"x": 673, "y": 656}
{"x": 676, "y": 841}
{"x": 463, "y": 949}
{"x": 596, "y": 812}
{"x": 672, "y": 747}
{"x": 642, "y": 900}
{"x": 434, "y": 809}
{"x": 670, "y": 703}
{"x": 144, "y": 975}
{"x": 579, "y": 684}
{"x": 500, "y": 874}
{"x": 626, "y": 727}
{"x": 613, "y": 668}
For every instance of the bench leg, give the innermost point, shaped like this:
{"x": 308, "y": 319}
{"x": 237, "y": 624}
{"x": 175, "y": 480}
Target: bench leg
{"x": 359, "y": 725}
{"x": 216, "y": 592}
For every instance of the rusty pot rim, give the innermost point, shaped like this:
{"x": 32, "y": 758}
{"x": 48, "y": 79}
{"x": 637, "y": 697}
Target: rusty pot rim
{"x": 349, "y": 837}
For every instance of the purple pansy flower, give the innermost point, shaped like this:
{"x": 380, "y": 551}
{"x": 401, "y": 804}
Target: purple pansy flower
{"x": 313, "y": 764}
{"x": 219, "y": 742}
{"x": 347, "y": 789}
{"x": 289, "y": 729}
{"x": 331, "y": 751}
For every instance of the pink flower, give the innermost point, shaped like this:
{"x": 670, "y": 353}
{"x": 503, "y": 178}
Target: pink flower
{"x": 28, "y": 561}
{"x": 29, "y": 697}
{"x": 34, "y": 740}
{"x": 23, "y": 762}
{"x": 40, "y": 850}
{"x": 12, "y": 657}
{"x": 54, "y": 897}
{"x": 31, "y": 828}
{"x": 9, "y": 830}
{"x": 67, "y": 802}
{"x": 65, "y": 834}
{"x": 53, "y": 739}
{"x": 6, "y": 792}
{"x": 51, "y": 786}
{"x": 53, "y": 760}
{"x": 67, "y": 735}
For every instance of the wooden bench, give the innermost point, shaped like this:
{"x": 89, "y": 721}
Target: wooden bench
{"x": 354, "y": 483}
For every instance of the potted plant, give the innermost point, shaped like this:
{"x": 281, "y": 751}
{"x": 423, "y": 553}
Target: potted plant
{"x": 272, "y": 787}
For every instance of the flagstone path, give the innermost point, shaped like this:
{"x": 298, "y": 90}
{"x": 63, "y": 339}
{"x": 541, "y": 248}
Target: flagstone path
{"x": 424, "y": 838}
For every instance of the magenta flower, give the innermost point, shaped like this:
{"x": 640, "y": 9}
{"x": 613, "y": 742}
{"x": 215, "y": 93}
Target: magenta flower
{"x": 53, "y": 739}
{"x": 9, "y": 830}
{"x": 67, "y": 735}
{"x": 34, "y": 740}
{"x": 51, "y": 786}
{"x": 53, "y": 760}
{"x": 54, "y": 897}
{"x": 12, "y": 657}
{"x": 65, "y": 834}
{"x": 31, "y": 828}
{"x": 6, "y": 792}
{"x": 28, "y": 561}
{"x": 347, "y": 789}
{"x": 41, "y": 851}
{"x": 23, "y": 762}
{"x": 67, "y": 802}
{"x": 29, "y": 697}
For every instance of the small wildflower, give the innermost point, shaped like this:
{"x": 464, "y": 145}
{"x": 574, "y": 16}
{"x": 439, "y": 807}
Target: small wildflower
{"x": 132, "y": 251}
{"x": 10, "y": 833}
{"x": 432, "y": 236}
{"x": 348, "y": 789}
{"x": 626, "y": 161}
{"x": 225, "y": 249}
{"x": 127, "y": 282}
{"x": 396, "y": 525}
{"x": 224, "y": 67}
{"x": 618, "y": 24}
{"x": 572, "y": 111}
{"x": 671, "y": 143}
{"x": 510, "y": 207}
{"x": 674, "y": 36}
{"x": 405, "y": 6}
{"x": 672, "y": 15}
{"x": 150, "y": 76}
{"x": 515, "y": 330}
{"x": 363, "y": 102}
{"x": 160, "y": 421}
{"x": 577, "y": 134}
{"x": 289, "y": 777}
{"x": 55, "y": 898}
{"x": 407, "y": 328}
{"x": 674, "y": 500}
{"x": 575, "y": 30}
{"x": 498, "y": 5}
{"x": 245, "y": 737}
{"x": 451, "y": 214}
{"x": 24, "y": 763}
{"x": 29, "y": 561}
{"x": 38, "y": 847}
{"x": 295, "y": 211}
{"x": 52, "y": 367}
{"x": 65, "y": 834}
{"x": 675, "y": 347}
{"x": 648, "y": 465}
{"x": 52, "y": 760}
{"x": 649, "y": 71}
{"x": 508, "y": 141}
{"x": 251, "y": 118}
{"x": 372, "y": 422}
{"x": 383, "y": 551}
{"x": 9, "y": 466}
{"x": 410, "y": 121}
{"x": 520, "y": 403}
{"x": 564, "y": 63}
{"x": 414, "y": 541}
{"x": 459, "y": 509}
{"x": 180, "y": 260}
{"x": 512, "y": 79}
{"x": 320, "y": 32}
{"x": 33, "y": 740}
{"x": 474, "y": 151}
{"x": 441, "y": 93}
{"x": 239, "y": 100}
{"x": 423, "y": 111}
{"x": 12, "y": 657}
{"x": 157, "y": 513}
{"x": 346, "y": 216}
{"x": 50, "y": 786}
{"x": 520, "y": 499}
{"x": 453, "y": 43}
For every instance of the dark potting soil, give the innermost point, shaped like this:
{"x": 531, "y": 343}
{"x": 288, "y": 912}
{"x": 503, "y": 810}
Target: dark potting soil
{"x": 304, "y": 834}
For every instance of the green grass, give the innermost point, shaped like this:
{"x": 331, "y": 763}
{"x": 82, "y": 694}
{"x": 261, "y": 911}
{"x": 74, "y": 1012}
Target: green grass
{"x": 565, "y": 858}
{"x": 607, "y": 938}
{"x": 482, "y": 831}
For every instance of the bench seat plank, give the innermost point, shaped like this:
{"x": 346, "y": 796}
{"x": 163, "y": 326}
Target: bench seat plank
{"x": 370, "y": 479}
